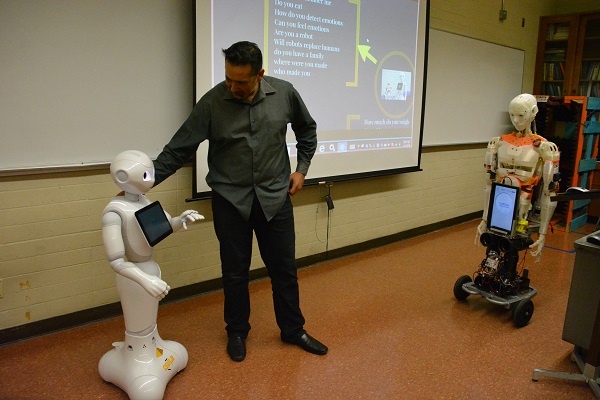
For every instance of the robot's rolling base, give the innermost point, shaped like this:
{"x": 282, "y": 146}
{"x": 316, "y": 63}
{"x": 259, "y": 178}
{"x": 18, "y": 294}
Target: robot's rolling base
{"x": 519, "y": 303}
{"x": 143, "y": 365}
{"x": 497, "y": 279}
{"x": 590, "y": 374}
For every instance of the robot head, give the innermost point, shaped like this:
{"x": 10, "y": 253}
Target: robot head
{"x": 522, "y": 110}
{"x": 133, "y": 171}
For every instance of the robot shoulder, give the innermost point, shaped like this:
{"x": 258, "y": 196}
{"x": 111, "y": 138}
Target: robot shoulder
{"x": 110, "y": 218}
{"x": 494, "y": 142}
{"x": 119, "y": 208}
{"x": 549, "y": 150}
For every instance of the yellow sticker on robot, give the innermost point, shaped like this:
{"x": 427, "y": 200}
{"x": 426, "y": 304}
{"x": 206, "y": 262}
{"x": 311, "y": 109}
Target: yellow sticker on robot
{"x": 168, "y": 363}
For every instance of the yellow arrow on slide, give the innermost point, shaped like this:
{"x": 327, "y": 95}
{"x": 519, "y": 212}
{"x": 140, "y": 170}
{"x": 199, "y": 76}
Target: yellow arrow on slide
{"x": 364, "y": 53}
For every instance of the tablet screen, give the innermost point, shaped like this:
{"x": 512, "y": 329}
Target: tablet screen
{"x": 154, "y": 223}
{"x": 503, "y": 207}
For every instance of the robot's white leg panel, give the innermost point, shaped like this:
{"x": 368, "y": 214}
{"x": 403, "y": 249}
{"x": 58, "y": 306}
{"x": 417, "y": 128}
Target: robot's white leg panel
{"x": 143, "y": 365}
{"x": 139, "y": 308}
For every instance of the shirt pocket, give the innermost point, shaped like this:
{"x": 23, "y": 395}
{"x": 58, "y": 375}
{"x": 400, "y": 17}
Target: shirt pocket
{"x": 275, "y": 132}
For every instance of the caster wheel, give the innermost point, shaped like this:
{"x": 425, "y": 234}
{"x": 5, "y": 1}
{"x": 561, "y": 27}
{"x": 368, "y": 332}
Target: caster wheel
{"x": 522, "y": 313}
{"x": 459, "y": 293}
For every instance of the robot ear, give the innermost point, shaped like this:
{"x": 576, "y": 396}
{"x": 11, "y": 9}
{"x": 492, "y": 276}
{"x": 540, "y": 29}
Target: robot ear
{"x": 121, "y": 176}
{"x": 534, "y": 110}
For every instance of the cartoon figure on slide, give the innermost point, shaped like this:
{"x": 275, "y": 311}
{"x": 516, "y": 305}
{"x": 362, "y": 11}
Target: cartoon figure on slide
{"x": 526, "y": 160}
{"x": 144, "y": 363}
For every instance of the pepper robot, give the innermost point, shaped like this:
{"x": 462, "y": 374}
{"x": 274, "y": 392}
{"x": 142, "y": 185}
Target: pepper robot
{"x": 144, "y": 363}
{"x": 529, "y": 162}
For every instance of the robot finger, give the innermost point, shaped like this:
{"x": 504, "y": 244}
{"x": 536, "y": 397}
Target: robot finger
{"x": 198, "y": 216}
{"x": 194, "y": 216}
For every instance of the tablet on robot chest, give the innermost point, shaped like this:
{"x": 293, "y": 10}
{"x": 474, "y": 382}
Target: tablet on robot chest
{"x": 154, "y": 223}
{"x": 503, "y": 209}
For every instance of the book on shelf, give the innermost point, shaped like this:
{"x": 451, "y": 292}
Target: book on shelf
{"x": 558, "y": 32}
{"x": 552, "y": 89}
{"x": 555, "y": 54}
{"x": 554, "y": 71}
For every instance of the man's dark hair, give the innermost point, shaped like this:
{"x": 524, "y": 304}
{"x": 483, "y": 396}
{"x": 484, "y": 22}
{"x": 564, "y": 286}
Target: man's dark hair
{"x": 244, "y": 53}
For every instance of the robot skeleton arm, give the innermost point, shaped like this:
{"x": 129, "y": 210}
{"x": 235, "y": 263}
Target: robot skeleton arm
{"x": 490, "y": 164}
{"x": 550, "y": 177}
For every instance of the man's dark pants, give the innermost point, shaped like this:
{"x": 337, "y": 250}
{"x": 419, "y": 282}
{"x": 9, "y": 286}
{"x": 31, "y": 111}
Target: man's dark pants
{"x": 276, "y": 242}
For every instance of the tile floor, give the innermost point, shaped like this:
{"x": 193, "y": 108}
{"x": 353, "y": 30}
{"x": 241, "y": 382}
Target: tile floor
{"x": 388, "y": 315}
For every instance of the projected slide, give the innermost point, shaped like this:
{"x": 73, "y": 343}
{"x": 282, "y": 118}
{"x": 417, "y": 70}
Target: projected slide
{"x": 358, "y": 65}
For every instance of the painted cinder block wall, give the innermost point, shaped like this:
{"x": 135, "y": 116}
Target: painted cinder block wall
{"x": 52, "y": 260}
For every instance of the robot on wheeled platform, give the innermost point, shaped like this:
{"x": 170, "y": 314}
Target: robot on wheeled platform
{"x": 144, "y": 363}
{"x": 522, "y": 170}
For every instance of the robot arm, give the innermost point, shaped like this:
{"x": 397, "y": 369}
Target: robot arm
{"x": 155, "y": 286}
{"x": 115, "y": 252}
{"x": 490, "y": 164}
{"x": 187, "y": 216}
{"x": 550, "y": 177}
{"x": 491, "y": 155}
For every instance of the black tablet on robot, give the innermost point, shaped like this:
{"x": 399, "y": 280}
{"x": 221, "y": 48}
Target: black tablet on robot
{"x": 154, "y": 223}
{"x": 503, "y": 209}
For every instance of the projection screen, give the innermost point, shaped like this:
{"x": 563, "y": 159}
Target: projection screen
{"x": 359, "y": 66}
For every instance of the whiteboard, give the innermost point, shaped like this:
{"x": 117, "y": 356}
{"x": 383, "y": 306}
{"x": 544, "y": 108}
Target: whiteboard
{"x": 81, "y": 81}
{"x": 469, "y": 86}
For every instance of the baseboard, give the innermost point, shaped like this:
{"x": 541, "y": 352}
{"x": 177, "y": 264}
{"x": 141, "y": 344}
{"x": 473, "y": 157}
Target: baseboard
{"x": 96, "y": 314}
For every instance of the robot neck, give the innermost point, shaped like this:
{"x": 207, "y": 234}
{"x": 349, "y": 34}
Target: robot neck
{"x": 524, "y": 132}
{"x": 132, "y": 196}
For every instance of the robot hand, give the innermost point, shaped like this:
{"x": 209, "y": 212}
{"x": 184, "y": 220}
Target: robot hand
{"x": 190, "y": 216}
{"x": 152, "y": 284}
{"x": 481, "y": 228}
{"x": 539, "y": 245}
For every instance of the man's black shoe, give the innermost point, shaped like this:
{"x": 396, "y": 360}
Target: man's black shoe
{"x": 236, "y": 348}
{"x": 308, "y": 343}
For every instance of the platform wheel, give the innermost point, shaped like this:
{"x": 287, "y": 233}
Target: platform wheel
{"x": 522, "y": 313}
{"x": 459, "y": 293}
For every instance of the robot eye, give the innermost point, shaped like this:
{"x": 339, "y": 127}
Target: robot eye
{"x": 147, "y": 176}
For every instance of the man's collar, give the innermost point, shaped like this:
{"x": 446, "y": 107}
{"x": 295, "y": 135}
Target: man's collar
{"x": 264, "y": 89}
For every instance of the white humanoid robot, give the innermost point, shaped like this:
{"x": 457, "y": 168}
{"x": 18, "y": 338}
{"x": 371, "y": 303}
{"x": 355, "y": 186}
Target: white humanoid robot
{"x": 528, "y": 161}
{"x": 144, "y": 363}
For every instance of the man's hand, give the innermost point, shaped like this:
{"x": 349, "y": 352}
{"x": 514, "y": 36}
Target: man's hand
{"x": 296, "y": 182}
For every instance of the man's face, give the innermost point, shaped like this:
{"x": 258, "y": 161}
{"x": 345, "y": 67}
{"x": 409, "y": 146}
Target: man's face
{"x": 241, "y": 82}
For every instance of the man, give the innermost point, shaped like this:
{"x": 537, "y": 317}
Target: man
{"x": 245, "y": 119}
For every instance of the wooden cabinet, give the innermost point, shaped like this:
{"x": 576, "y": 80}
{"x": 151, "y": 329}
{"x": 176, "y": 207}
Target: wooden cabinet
{"x": 568, "y": 56}
{"x": 572, "y": 123}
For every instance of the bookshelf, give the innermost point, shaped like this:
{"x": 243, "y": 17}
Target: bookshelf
{"x": 568, "y": 56}
{"x": 573, "y": 124}
{"x": 588, "y": 58}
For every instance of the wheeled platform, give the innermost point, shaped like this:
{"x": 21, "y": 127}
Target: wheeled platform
{"x": 519, "y": 303}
